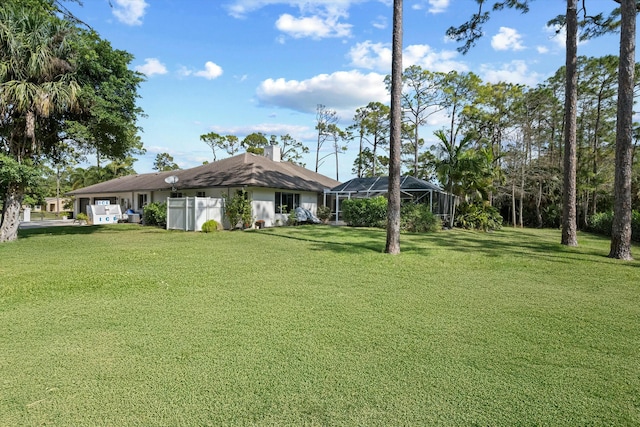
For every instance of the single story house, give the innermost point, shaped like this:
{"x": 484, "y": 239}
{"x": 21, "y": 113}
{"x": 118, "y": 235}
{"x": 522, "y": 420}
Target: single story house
{"x": 275, "y": 187}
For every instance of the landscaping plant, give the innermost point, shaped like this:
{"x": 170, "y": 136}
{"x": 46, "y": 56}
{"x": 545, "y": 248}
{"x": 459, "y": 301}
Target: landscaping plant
{"x": 155, "y": 214}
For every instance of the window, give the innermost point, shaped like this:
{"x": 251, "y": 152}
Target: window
{"x": 286, "y": 202}
{"x": 200, "y": 194}
{"x": 142, "y": 200}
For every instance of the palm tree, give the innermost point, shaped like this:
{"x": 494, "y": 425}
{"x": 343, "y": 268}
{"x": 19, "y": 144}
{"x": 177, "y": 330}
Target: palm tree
{"x": 461, "y": 170}
{"x": 36, "y": 82}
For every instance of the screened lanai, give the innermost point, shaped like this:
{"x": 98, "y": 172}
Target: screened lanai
{"x": 412, "y": 189}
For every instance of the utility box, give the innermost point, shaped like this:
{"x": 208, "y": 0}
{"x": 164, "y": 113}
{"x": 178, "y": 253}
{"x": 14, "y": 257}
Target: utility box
{"x": 26, "y": 215}
{"x": 104, "y": 214}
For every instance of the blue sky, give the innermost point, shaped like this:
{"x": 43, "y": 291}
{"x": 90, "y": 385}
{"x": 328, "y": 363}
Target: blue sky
{"x": 243, "y": 66}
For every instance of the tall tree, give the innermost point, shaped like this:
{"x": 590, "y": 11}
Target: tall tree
{"x": 372, "y": 128}
{"x": 36, "y": 81}
{"x": 164, "y": 162}
{"x": 58, "y": 82}
{"x": 325, "y": 118}
{"x": 292, "y": 149}
{"x": 337, "y": 136}
{"x": 255, "y": 143}
{"x": 393, "y": 208}
{"x": 621, "y": 229}
{"x": 422, "y": 96}
{"x": 569, "y": 218}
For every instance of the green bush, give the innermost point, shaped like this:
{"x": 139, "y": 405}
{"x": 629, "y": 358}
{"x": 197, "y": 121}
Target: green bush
{"x": 210, "y": 226}
{"x": 292, "y": 219}
{"x": 418, "y": 218}
{"x": 155, "y": 214}
{"x": 365, "y": 212}
{"x": 478, "y": 217}
{"x": 238, "y": 209}
{"x": 323, "y": 213}
{"x": 82, "y": 217}
{"x": 602, "y": 222}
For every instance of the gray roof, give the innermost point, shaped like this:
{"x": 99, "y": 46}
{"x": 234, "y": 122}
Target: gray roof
{"x": 380, "y": 184}
{"x": 246, "y": 169}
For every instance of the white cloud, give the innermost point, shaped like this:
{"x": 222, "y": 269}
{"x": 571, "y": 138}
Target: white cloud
{"x": 129, "y": 12}
{"x": 316, "y": 18}
{"x": 314, "y": 26}
{"x": 268, "y": 129}
{"x": 151, "y": 67}
{"x": 240, "y": 8}
{"x": 558, "y": 35}
{"x": 438, "y": 6}
{"x": 515, "y": 72}
{"x": 507, "y": 39}
{"x": 380, "y": 23}
{"x": 542, "y": 49}
{"x": 342, "y": 91}
{"x": 432, "y": 6}
{"x": 211, "y": 71}
{"x": 377, "y": 56}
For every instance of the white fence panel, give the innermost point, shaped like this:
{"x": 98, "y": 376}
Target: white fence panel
{"x": 189, "y": 213}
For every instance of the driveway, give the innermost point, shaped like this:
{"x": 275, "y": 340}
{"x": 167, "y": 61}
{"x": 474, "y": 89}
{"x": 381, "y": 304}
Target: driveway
{"x": 47, "y": 223}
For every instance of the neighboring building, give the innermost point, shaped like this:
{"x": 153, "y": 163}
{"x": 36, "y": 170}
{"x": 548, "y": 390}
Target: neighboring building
{"x": 270, "y": 183}
{"x": 56, "y": 204}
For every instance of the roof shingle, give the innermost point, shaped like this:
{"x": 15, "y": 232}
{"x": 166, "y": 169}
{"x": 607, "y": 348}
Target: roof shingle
{"x": 242, "y": 170}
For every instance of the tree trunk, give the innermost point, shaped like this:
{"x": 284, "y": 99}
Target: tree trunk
{"x": 538, "y": 203}
{"x": 514, "y": 220}
{"x": 11, "y": 214}
{"x": 393, "y": 210}
{"x": 569, "y": 226}
{"x": 621, "y": 229}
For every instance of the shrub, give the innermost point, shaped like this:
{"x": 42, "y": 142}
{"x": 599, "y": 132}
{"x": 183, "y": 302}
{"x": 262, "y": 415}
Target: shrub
{"x": 418, "y": 218}
{"x": 82, "y": 217}
{"x": 602, "y": 222}
{"x": 210, "y": 226}
{"x": 478, "y": 217}
{"x": 365, "y": 212}
{"x": 323, "y": 213}
{"x": 292, "y": 219}
{"x": 155, "y": 214}
{"x": 238, "y": 209}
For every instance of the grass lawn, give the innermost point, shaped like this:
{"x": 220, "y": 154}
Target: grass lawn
{"x": 122, "y": 325}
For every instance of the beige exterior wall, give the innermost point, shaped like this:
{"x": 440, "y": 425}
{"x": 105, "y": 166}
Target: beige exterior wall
{"x": 263, "y": 200}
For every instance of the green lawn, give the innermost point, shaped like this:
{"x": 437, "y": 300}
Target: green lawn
{"x": 122, "y": 325}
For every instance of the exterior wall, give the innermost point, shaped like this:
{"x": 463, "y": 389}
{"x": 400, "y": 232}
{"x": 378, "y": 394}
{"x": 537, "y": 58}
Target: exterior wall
{"x": 54, "y": 204}
{"x": 264, "y": 206}
{"x": 309, "y": 201}
{"x": 263, "y": 200}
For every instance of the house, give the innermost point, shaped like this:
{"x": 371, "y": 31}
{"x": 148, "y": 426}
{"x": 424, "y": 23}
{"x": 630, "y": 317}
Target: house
{"x": 275, "y": 187}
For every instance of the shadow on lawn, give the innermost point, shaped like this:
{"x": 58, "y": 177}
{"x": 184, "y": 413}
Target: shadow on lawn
{"x": 355, "y": 240}
{"x": 493, "y": 244}
{"x": 66, "y": 230}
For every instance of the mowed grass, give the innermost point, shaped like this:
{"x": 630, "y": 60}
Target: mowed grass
{"x": 123, "y": 325}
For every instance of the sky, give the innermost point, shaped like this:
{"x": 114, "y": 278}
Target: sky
{"x": 235, "y": 67}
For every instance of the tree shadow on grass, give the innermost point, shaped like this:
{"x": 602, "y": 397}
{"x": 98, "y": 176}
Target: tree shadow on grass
{"x": 522, "y": 243}
{"x": 67, "y": 230}
{"x": 324, "y": 238}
